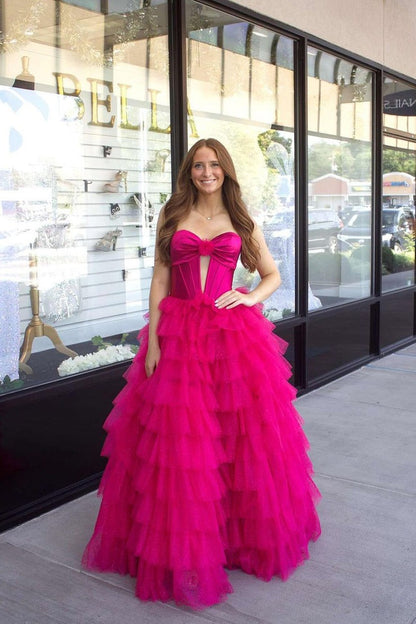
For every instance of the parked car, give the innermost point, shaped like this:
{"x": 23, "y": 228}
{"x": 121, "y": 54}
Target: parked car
{"x": 323, "y": 229}
{"x": 396, "y": 223}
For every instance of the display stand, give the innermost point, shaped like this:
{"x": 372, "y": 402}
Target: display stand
{"x": 36, "y": 327}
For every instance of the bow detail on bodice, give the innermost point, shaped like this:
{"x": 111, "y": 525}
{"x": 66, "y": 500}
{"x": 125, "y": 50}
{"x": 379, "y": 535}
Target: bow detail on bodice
{"x": 206, "y": 247}
{"x": 186, "y": 249}
{"x": 225, "y": 247}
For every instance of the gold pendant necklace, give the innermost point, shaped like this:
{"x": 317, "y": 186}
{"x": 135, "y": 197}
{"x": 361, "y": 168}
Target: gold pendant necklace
{"x": 205, "y": 217}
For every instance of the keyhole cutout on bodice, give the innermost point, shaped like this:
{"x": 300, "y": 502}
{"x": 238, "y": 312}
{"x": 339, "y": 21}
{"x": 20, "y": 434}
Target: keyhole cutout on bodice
{"x": 204, "y": 262}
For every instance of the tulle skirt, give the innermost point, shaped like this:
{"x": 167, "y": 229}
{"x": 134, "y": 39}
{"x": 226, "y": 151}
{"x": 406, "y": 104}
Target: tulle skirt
{"x": 208, "y": 466}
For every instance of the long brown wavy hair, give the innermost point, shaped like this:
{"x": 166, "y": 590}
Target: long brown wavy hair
{"x": 185, "y": 196}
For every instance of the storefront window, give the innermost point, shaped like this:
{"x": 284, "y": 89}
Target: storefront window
{"x": 339, "y": 166}
{"x": 84, "y": 170}
{"x": 241, "y": 91}
{"x": 399, "y": 194}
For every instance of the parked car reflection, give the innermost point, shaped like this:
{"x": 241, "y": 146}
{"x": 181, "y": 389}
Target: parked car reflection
{"x": 323, "y": 229}
{"x": 397, "y": 224}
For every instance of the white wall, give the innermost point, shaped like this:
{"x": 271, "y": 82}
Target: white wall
{"x": 379, "y": 30}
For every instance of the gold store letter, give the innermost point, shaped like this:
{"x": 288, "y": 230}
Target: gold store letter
{"x": 153, "y": 113}
{"x": 153, "y": 119}
{"x": 191, "y": 121}
{"x": 60, "y": 84}
{"x": 96, "y": 101}
{"x": 60, "y": 89}
{"x": 123, "y": 108}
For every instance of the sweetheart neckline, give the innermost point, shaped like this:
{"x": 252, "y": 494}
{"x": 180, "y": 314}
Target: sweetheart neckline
{"x": 206, "y": 239}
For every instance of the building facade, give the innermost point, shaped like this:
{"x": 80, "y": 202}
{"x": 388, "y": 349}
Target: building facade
{"x": 100, "y": 99}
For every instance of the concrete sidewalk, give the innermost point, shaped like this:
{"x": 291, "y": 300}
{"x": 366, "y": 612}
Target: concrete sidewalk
{"x": 362, "y": 430}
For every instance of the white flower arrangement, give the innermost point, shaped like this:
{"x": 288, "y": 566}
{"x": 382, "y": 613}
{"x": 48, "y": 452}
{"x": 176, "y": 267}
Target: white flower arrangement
{"x": 108, "y": 355}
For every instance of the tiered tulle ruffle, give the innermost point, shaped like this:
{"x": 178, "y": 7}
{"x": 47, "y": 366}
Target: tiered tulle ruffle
{"x": 208, "y": 464}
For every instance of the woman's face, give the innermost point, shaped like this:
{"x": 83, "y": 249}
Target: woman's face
{"x": 206, "y": 173}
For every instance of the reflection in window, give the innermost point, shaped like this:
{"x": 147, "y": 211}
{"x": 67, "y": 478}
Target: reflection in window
{"x": 206, "y": 35}
{"x": 361, "y": 220}
{"x": 284, "y": 52}
{"x": 235, "y": 37}
{"x": 92, "y": 5}
{"x": 240, "y": 94}
{"x": 261, "y": 42}
{"x": 399, "y": 194}
{"x": 84, "y": 170}
{"x": 339, "y": 166}
{"x": 326, "y": 66}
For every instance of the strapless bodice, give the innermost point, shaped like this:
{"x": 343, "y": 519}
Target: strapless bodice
{"x": 187, "y": 248}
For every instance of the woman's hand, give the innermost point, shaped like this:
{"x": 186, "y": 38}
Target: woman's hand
{"x": 233, "y": 298}
{"x": 152, "y": 359}
{"x": 269, "y": 274}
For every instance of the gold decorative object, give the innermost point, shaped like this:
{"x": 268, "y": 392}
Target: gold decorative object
{"x": 37, "y": 327}
{"x": 25, "y": 80}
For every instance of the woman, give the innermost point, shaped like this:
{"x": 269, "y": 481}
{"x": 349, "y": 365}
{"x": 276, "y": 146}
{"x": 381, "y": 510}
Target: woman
{"x": 207, "y": 459}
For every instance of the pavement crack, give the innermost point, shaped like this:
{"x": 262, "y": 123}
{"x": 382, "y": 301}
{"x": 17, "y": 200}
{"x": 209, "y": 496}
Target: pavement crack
{"x": 367, "y": 485}
{"x": 227, "y": 614}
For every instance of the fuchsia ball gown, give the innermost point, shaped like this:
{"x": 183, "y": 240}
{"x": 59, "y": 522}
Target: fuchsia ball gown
{"x": 208, "y": 465}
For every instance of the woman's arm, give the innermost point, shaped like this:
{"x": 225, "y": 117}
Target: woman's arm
{"x": 269, "y": 274}
{"x": 159, "y": 289}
